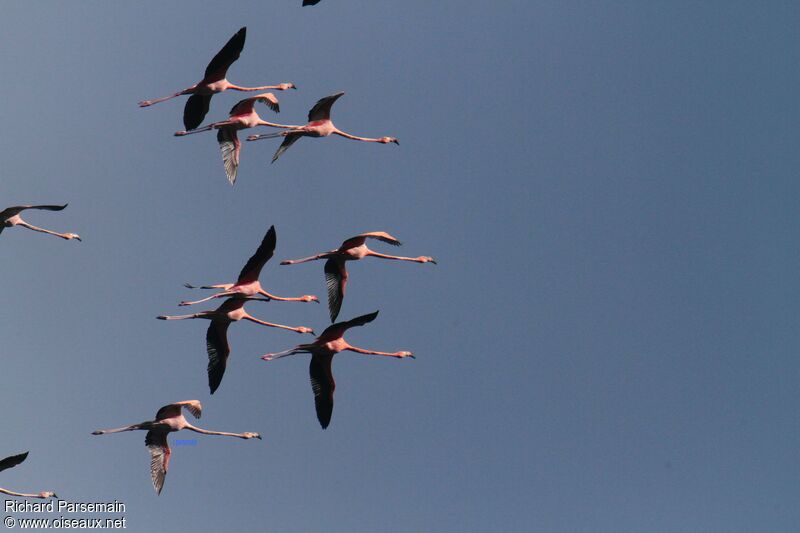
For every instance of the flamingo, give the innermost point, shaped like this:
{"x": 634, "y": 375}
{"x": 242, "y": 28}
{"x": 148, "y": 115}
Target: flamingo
{"x": 168, "y": 419}
{"x": 231, "y": 310}
{"x": 242, "y": 116}
{"x": 352, "y": 249}
{"x": 319, "y": 125}
{"x": 247, "y": 284}
{"x": 322, "y": 351}
{"x": 214, "y": 82}
{"x": 9, "y": 217}
{"x": 14, "y": 460}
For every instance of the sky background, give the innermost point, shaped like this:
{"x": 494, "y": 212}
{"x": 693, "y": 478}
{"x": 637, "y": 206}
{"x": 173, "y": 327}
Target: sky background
{"x": 608, "y": 343}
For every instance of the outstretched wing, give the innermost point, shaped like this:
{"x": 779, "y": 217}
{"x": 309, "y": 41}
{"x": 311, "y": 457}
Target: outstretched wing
{"x": 358, "y": 240}
{"x": 174, "y": 409}
{"x": 218, "y": 352}
{"x": 334, "y": 331}
{"x": 322, "y": 109}
{"x": 195, "y": 110}
{"x": 252, "y": 269}
{"x": 9, "y": 212}
{"x": 14, "y": 460}
{"x": 289, "y": 140}
{"x": 246, "y": 105}
{"x": 336, "y": 279}
{"x": 230, "y": 147}
{"x": 218, "y": 67}
{"x": 310, "y": 2}
{"x": 156, "y": 442}
{"x": 323, "y": 385}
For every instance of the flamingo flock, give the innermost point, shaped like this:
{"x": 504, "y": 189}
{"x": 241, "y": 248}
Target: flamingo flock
{"x": 247, "y": 287}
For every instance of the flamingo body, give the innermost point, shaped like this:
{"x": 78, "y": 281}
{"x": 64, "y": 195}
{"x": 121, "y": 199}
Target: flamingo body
{"x": 322, "y": 350}
{"x": 169, "y": 419}
{"x": 352, "y": 249}
{"x": 214, "y": 81}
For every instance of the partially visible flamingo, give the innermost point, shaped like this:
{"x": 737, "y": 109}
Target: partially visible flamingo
{"x": 319, "y": 125}
{"x": 242, "y": 116}
{"x": 214, "y": 82}
{"x": 13, "y": 461}
{"x": 248, "y": 284}
{"x": 352, "y": 249}
{"x": 322, "y": 351}
{"x": 231, "y": 310}
{"x": 9, "y": 217}
{"x": 168, "y": 419}
{"x": 310, "y": 2}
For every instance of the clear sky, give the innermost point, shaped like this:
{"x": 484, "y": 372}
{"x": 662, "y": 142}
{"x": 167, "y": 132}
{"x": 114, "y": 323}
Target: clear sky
{"x": 608, "y": 343}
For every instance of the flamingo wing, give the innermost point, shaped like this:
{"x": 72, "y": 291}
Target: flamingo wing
{"x": 246, "y": 105}
{"x": 336, "y": 279}
{"x": 322, "y": 109}
{"x": 218, "y": 352}
{"x": 14, "y": 460}
{"x": 156, "y": 442}
{"x": 230, "y": 146}
{"x": 358, "y": 240}
{"x": 310, "y": 2}
{"x": 289, "y": 140}
{"x": 323, "y": 385}
{"x": 195, "y": 110}
{"x": 218, "y": 67}
{"x": 252, "y": 269}
{"x": 174, "y": 409}
{"x": 17, "y": 209}
{"x": 335, "y": 331}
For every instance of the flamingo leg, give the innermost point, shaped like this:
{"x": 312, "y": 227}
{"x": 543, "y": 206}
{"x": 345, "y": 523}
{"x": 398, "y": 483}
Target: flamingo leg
{"x": 218, "y": 295}
{"x": 285, "y": 353}
{"x": 147, "y": 103}
{"x": 307, "y": 259}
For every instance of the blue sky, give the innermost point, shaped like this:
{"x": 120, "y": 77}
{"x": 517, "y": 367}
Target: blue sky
{"x": 608, "y": 342}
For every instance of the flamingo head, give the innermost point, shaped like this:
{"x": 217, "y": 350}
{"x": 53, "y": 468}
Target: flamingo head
{"x": 309, "y": 298}
{"x": 248, "y": 435}
{"x": 401, "y": 355}
{"x": 386, "y": 140}
{"x": 70, "y": 236}
{"x": 47, "y": 494}
{"x": 284, "y": 86}
{"x": 303, "y": 329}
{"x": 426, "y": 259}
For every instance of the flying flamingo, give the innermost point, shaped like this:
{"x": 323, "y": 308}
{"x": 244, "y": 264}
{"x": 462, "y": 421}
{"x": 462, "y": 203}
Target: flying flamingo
{"x": 168, "y": 419}
{"x": 9, "y": 217}
{"x": 319, "y": 125}
{"x": 242, "y": 116}
{"x": 322, "y": 351}
{"x": 247, "y": 284}
{"x": 352, "y": 249}
{"x": 231, "y": 310}
{"x": 13, "y": 461}
{"x": 214, "y": 82}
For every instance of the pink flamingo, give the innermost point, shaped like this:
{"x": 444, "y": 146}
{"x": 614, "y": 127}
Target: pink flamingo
{"x": 9, "y": 217}
{"x": 13, "y": 461}
{"x": 214, "y": 82}
{"x": 319, "y": 125}
{"x": 242, "y": 116}
{"x": 248, "y": 284}
{"x": 322, "y": 351}
{"x": 231, "y": 310}
{"x": 352, "y": 249}
{"x": 168, "y": 419}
